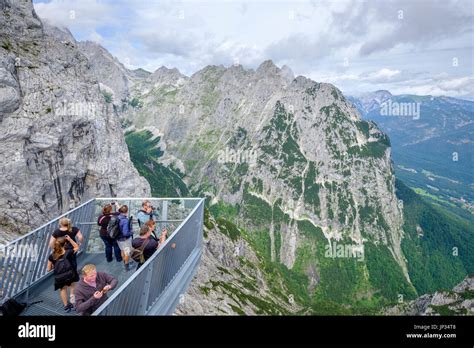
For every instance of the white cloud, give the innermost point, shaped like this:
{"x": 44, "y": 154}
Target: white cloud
{"x": 314, "y": 38}
{"x": 383, "y": 75}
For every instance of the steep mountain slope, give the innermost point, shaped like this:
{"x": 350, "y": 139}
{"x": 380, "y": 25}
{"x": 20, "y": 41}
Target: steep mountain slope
{"x": 302, "y": 125}
{"x": 236, "y": 275}
{"x": 115, "y": 78}
{"x": 437, "y": 243}
{"x": 289, "y": 162}
{"x": 230, "y": 278}
{"x": 61, "y": 142}
{"x": 432, "y": 149}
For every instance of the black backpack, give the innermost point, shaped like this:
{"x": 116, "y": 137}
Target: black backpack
{"x": 63, "y": 271}
{"x": 13, "y": 308}
{"x": 113, "y": 229}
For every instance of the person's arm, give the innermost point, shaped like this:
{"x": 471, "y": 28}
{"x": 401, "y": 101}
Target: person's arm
{"x": 75, "y": 246}
{"x": 125, "y": 228}
{"x": 82, "y": 304}
{"x": 80, "y": 237}
{"x": 51, "y": 242}
{"x": 50, "y": 266}
{"x": 110, "y": 280}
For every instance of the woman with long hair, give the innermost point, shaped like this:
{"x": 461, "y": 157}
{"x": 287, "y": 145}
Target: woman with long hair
{"x": 65, "y": 274}
{"x": 67, "y": 229}
{"x": 110, "y": 243}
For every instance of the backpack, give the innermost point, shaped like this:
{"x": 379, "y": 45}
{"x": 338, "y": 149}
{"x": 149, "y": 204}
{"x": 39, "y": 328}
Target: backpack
{"x": 113, "y": 229}
{"x": 137, "y": 254}
{"x": 13, "y": 308}
{"x": 63, "y": 271}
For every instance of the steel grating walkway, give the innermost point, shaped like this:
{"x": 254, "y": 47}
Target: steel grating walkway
{"x": 52, "y": 304}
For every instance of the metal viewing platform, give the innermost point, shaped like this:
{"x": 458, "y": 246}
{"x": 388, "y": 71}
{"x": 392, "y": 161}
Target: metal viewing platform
{"x": 154, "y": 289}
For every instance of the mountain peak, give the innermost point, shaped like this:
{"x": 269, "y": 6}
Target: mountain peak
{"x": 268, "y": 66}
{"x": 166, "y": 73}
{"x": 163, "y": 69}
{"x": 142, "y": 73}
{"x": 60, "y": 33}
{"x": 383, "y": 91}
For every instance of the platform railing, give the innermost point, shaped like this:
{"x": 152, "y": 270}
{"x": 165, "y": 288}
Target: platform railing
{"x": 23, "y": 261}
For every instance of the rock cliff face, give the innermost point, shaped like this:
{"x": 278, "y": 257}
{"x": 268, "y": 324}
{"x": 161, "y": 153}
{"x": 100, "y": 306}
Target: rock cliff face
{"x": 230, "y": 281}
{"x": 113, "y": 76}
{"x": 61, "y": 141}
{"x": 281, "y": 139}
{"x": 459, "y": 301}
{"x": 291, "y": 163}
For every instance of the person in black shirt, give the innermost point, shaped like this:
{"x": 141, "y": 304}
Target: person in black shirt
{"x": 110, "y": 243}
{"x": 66, "y": 275}
{"x": 66, "y": 229}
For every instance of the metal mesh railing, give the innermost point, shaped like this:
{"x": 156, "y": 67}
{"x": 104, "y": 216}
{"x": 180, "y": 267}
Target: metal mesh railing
{"x": 23, "y": 261}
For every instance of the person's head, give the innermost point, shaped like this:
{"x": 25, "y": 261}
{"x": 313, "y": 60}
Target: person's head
{"x": 58, "y": 247}
{"x": 107, "y": 209}
{"x": 146, "y": 205}
{"x": 151, "y": 224}
{"x": 123, "y": 209}
{"x": 89, "y": 273}
{"x": 145, "y": 231}
{"x": 65, "y": 224}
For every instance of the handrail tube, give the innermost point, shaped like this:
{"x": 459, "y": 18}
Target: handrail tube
{"x": 48, "y": 223}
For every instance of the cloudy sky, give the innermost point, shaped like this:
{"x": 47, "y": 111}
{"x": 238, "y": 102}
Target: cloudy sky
{"x": 407, "y": 46}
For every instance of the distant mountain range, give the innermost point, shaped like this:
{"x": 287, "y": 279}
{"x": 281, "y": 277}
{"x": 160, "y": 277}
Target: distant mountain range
{"x": 432, "y": 141}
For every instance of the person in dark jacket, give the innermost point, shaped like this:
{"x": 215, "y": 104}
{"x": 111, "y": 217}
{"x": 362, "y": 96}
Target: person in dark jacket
{"x": 110, "y": 243}
{"x": 91, "y": 291}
